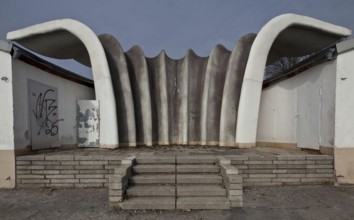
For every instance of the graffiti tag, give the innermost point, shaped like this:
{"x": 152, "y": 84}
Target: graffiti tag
{"x": 45, "y": 108}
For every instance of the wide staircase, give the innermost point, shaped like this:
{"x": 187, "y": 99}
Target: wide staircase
{"x": 176, "y": 182}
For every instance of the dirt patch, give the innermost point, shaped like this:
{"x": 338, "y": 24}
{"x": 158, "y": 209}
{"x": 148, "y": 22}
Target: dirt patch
{"x": 297, "y": 202}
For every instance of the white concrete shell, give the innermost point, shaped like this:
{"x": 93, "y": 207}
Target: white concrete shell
{"x": 285, "y": 35}
{"x": 70, "y": 39}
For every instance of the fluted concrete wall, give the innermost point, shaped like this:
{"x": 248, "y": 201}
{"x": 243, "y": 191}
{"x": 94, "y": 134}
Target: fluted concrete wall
{"x": 192, "y": 100}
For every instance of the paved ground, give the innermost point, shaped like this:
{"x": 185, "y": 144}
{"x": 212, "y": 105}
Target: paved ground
{"x": 174, "y": 150}
{"x": 297, "y": 202}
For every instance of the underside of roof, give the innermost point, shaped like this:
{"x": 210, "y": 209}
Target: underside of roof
{"x": 298, "y": 40}
{"x": 295, "y": 40}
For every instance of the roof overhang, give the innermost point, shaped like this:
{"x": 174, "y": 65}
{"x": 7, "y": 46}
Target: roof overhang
{"x": 53, "y": 40}
{"x": 298, "y": 39}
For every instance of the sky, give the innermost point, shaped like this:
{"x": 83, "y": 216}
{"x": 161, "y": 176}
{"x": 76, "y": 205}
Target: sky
{"x": 172, "y": 25}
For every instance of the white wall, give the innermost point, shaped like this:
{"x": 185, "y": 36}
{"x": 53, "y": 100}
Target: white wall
{"x": 279, "y": 109}
{"x": 68, "y": 94}
{"x": 344, "y": 120}
{"x": 7, "y": 154}
{"x": 6, "y": 103}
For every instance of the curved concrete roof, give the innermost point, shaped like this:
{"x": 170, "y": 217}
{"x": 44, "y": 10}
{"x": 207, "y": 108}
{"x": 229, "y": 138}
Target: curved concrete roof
{"x": 285, "y": 35}
{"x": 70, "y": 39}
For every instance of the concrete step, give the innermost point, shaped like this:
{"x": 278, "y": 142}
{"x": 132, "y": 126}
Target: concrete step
{"x": 154, "y": 168}
{"x": 155, "y": 159}
{"x": 202, "y": 179}
{"x": 149, "y": 203}
{"x": 152, "y": 190}
{"x": 200, "y": 190}
{"x": 193, "y": 159}
{"x": 202, "y": 203}
{"x": 153, "y": 179}
{"x": 197, "y": 168}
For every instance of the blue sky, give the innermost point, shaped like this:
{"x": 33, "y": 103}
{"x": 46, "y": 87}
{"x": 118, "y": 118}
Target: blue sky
{"x": 172, "y": 25}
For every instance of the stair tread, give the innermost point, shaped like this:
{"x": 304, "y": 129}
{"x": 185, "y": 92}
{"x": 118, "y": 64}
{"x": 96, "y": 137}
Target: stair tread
{"x": 153, "y": 190}
{"x": 197, "y": 168}
{"x": 153, "y": 175}
{"x": 200, "y": 187}
{"x": 156, "y": 159}
{"x": 155, "y": 187}
{"x": 153, "y": 179}
{"x": 154, "y": 168}
{"x": 196, "y": 159}
{"x": 199, "y": 178}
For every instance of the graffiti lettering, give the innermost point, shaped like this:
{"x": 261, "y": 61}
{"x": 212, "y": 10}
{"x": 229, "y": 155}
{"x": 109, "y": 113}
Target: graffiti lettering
{"x": 45, "y": 107}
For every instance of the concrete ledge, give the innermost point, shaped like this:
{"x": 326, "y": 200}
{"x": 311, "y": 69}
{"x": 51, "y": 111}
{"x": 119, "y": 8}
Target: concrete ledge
{"x": 281, "y": 170}
{"x": 7, "y": 169}
{"x": 233, "y": 182}
{"x": 344, "y": 165}
{"x": 118, "y": 183}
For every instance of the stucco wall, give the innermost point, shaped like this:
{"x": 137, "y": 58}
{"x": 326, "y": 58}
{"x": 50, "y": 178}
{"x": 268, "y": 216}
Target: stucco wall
{"x": 6, "y": 98}
{"x": 304, "y": 97}
{"x": 7, "y": 156}
{"x": 344, "y": 120}
{"x": 68, "y": 94}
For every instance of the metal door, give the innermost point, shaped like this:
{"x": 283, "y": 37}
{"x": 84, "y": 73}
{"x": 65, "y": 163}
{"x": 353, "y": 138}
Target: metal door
{"x": 88, "y": 123}
{"x": 44, "y": 119}
{"x": 309, "y": 117}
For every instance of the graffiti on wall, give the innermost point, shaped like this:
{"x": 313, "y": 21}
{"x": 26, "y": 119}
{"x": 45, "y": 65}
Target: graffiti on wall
{"x": 44, "y": 118}
{"x": 44, "y": 109}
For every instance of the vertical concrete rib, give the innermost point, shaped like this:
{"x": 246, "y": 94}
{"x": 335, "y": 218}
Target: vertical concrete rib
{"x": 171, "y": 72}
{"x": 216, "y": 71}
{"x": 193, "y": 100}
{"x": 212, "y": 94}
{"x": 196, "y": 77}
{"x": 139, "y": 78}
{"x": 232, "y": 89}
{"x": 158, "y": 85}
{"x": 122, "y": 89}
{"x": 182, "y": 99}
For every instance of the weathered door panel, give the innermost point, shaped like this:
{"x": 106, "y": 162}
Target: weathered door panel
{"x": 44, "y": 119}
{"x": 88, "y": 123}
{"x": 309, "y": 108}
